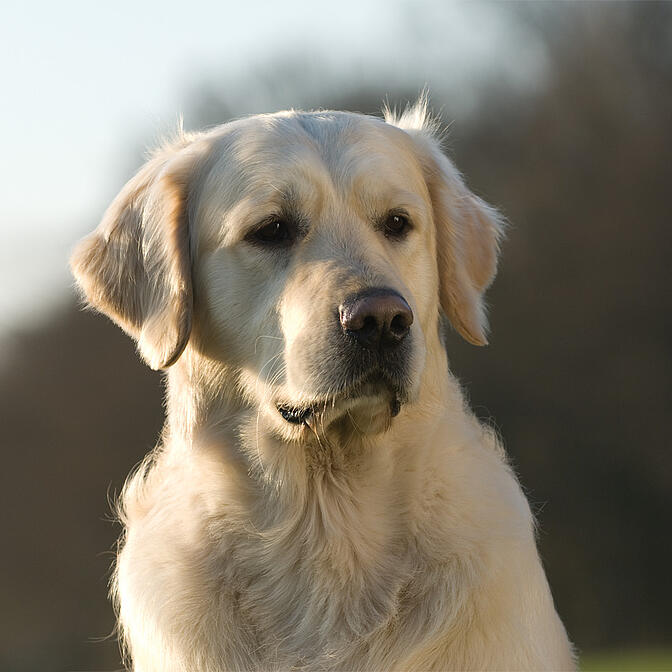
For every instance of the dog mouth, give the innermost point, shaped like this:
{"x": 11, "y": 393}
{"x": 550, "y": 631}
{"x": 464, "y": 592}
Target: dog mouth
{"x": 375, "y": 387}
{"x": 295, "y": 415}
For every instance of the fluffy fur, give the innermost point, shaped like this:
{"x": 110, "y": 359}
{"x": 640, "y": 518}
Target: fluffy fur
{"x": 359, "y": 539}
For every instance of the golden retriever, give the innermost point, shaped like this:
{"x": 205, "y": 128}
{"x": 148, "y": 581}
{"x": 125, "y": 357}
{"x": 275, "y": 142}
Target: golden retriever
{"x": 321, "y": 499}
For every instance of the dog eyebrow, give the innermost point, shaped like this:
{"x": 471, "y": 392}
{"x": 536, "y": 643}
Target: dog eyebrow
{"x": 408, "y": 200}
{"x": 261, "y": 203}
{"x": 378, "y": 205}
{"x": 290, "y": 200}
{"x": 287, "y": 204}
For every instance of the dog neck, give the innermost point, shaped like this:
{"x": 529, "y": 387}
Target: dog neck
{"x": 355, "y": 510}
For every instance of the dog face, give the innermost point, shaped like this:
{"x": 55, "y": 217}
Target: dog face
{"x": 329, "y": 237}
{"x": 308, "y": 254}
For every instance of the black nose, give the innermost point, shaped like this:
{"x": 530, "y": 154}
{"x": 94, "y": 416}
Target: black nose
{"x": 376, "y": 317}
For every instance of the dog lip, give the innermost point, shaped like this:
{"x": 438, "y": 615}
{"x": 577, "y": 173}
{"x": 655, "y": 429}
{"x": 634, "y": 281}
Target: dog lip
{"x": 395, "y": 406}
{"x": 373, "y": 383}
{"x": 293, "y": 414}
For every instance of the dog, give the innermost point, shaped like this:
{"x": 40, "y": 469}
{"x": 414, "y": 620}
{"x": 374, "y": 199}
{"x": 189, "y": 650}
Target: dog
{"x": 322, "y": 498}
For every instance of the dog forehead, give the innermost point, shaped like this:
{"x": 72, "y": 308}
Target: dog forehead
{"x": 327, "y": 151}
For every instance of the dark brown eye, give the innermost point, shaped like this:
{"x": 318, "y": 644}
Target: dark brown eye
{"x": 274, "y": 233}
{"x": 396, "y": 225}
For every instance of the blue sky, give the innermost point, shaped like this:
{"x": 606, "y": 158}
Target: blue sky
{"x": 85, "y": 83}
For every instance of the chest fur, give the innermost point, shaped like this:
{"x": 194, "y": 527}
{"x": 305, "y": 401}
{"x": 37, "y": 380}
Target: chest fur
{"x": 330, "y": 573}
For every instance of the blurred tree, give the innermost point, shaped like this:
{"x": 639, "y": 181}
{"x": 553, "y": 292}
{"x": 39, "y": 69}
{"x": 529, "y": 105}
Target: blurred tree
{"x": 579, "y": 374}
{"x": 77, "y": 411}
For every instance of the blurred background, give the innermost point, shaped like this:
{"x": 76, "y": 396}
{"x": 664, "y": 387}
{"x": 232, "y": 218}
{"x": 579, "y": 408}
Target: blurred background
{"x": 559, "y": 113}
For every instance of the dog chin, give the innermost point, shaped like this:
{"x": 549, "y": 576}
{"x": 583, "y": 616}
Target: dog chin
{"x": 368, "y": 408}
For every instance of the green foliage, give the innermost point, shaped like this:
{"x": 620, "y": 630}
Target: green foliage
{"x": 628, "y": 661}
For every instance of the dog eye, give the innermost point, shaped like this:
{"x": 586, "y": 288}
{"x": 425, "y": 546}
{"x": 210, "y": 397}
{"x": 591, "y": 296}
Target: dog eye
{"x": 396, "y": 225}
{"x": 275, "y": 232}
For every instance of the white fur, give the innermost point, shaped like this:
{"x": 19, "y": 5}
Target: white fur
{"x": 360, "y": 541}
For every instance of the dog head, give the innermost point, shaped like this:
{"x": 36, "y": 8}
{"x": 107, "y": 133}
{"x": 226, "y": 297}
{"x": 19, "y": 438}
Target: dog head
{"x": 307, "y": 253}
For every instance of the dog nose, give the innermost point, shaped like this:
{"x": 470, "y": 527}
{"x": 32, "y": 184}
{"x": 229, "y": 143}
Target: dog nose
{"x": 376, "y": 317}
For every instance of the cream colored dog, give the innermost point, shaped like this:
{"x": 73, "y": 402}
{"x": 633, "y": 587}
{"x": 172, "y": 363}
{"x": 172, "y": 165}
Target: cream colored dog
{"x": 322, "y": 499}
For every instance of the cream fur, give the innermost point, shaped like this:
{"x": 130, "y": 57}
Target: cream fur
{"x": 356, "y": 541}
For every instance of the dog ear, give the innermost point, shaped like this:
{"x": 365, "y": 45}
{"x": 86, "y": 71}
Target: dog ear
{"x": 135, "y": 267}
{"x": 468, "y": 231}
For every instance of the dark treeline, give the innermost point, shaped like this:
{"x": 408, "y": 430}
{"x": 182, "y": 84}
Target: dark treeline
{"x": 577, "y": 378}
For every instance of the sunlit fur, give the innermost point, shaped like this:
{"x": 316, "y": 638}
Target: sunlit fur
{"x": 355, "y": 541}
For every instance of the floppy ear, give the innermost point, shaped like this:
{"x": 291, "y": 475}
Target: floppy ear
{"x": 135, "y": 267}
{"x": 468, "y": 231}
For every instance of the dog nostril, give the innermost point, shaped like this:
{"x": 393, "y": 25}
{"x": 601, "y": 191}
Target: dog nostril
{"x": 400, "y": 324}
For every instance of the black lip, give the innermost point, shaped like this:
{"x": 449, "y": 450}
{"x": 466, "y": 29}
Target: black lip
{"x": 293, "y": 415}
{"x": 299, "y": 415}
{"x": 395, "y": 407}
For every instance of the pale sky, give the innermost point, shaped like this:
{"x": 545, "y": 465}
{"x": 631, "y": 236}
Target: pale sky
{"x": 84, "y": 83}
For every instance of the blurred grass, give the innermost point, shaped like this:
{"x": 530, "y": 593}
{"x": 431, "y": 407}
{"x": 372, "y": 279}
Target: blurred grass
{"x": 627, "y": 661}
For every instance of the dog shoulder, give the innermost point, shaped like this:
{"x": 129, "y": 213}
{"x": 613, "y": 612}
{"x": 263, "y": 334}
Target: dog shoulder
{"x": 171, "y": 570}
